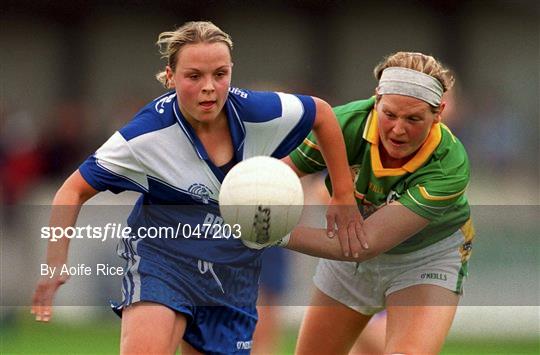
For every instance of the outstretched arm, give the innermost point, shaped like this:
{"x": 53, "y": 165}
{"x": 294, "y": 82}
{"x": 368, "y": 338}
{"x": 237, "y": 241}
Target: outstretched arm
{"x": 342, "y": 210}
{"x": 384, "y": 229}
{"x": 65, "y": 209}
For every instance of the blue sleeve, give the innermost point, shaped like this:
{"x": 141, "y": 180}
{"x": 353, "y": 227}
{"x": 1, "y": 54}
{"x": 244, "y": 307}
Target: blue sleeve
{"x": 300, "y": 131}
{"x": 113, "y": 167}
{"x": 101, "y": 179}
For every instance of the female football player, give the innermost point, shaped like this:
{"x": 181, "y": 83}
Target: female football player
{"x": 176, "y": 152}
{"x": 410, "y": 175}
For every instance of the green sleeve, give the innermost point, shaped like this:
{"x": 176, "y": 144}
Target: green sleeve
{"x": 307, "y": 157}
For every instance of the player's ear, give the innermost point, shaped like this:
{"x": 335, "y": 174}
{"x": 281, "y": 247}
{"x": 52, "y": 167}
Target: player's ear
{"x": 438, "y": 115}
{"x": 377, "y": 97}
{"x": 170, "y": 77}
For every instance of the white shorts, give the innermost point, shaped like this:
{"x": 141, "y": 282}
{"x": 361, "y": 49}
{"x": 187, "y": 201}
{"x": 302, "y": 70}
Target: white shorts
{"x": 365, "y": 286}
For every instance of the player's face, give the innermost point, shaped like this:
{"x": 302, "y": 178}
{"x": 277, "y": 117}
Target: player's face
{"x": 404, "y": 124}
{"x": 202, "y": 79}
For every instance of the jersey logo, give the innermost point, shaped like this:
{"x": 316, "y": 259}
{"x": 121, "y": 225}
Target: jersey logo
{"x": 238, "y": 92}
{"x": 244, "y": 345}
{"x": 200, "y": 193}
{"x": 160, "y": 104}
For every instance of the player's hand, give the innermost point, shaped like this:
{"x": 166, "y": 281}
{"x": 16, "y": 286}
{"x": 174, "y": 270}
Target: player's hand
{"x": 343, "y": 212}
{"x": 43, "y": 297}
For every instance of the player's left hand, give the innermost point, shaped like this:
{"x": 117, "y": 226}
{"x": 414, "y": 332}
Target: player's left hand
{"x": 43, "y": 297}
{"x": 343, "y": 212}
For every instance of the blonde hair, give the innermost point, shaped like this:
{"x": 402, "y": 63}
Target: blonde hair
{"x": 420, "y": 62}
{"x": 193, "y": 32}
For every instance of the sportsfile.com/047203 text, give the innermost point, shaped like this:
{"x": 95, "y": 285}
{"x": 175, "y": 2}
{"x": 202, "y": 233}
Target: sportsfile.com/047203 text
{"x": 118, "y": 231}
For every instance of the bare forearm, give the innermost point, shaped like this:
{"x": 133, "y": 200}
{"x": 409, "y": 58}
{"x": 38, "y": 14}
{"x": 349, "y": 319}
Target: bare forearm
{"x": 64, "y": 212}
{"x": 314, "y": 242}
{"x": 332, "y": 146}
{"x": 382, "y": 231}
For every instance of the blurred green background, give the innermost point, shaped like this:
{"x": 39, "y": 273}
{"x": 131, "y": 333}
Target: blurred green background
{"x": 102, "y": 337}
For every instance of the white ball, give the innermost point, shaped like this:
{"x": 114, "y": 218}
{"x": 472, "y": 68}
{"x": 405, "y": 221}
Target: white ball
{"x": 264, "y": 197}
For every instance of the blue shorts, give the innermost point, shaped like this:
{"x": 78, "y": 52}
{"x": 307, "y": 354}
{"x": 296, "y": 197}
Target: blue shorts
{"x": 275, "y": 270}
{"x": 217, "y": 300}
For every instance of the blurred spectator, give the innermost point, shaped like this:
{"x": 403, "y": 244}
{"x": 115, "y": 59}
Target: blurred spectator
{"x": 20, "y": 160}
{"x": 64, "y": 142}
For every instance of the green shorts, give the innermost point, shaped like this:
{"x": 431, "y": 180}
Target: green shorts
{"x": 365, "y": 286}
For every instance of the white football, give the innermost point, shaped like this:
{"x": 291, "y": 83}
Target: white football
{"x": 264, "y": 197}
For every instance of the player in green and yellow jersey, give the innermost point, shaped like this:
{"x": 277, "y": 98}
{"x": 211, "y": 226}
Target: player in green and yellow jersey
{"x": 410, "y": 173}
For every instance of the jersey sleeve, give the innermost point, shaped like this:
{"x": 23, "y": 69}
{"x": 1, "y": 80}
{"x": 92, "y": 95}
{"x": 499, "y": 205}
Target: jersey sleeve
{"x": 307, "y": 156}
{"x": 352, "y": 120}
{"x": 275, "y": 122}
{"x": 113, "y": 167}
{"x": 298, "y": 116}
{"x": 437, "y": 189}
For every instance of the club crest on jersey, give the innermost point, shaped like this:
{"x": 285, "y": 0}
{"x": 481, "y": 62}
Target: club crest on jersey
{"x": 200, "y": 193}
{"x": 355, "y": 172}
{"x": 160, "y": 104}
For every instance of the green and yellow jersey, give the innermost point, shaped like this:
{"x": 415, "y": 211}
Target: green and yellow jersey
{"x": 431, "y": 184}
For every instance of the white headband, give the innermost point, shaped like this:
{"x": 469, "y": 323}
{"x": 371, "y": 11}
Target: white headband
{"x": 409, "y": 82}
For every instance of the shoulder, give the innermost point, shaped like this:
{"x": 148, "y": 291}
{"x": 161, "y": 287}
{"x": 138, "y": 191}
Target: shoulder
{"x": 158, "y": 114}
{"x": 353, "y": 116}
{"x": 263, "y": 106}
{"x": 355, "y": 111}
{"x": 355, "y": 108}
{"x": 450, "y": 154}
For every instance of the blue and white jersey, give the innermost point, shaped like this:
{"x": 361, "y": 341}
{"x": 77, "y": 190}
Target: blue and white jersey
{"x": 159, "y": 155}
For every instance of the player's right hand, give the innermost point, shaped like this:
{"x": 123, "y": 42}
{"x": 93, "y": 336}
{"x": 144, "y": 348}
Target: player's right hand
{"x": 344, "y": 213}
{"x": 43, "y": 297}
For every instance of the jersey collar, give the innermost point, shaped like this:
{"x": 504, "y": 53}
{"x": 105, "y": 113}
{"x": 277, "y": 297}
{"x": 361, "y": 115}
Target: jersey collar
{"x": 236, "y": 127}
{"x": 371, "y": 134}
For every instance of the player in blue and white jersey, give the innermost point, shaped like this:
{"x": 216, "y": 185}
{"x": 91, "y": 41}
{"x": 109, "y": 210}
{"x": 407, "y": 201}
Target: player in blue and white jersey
{"x": 176, "y": 152}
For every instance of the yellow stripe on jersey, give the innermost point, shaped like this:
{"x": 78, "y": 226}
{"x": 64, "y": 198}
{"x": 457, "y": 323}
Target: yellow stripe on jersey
{"x": 425, "y": 194}
{"x": 309, "y": 158}
{"x": 371, "y": 133}
{"x": 311, "y": 144}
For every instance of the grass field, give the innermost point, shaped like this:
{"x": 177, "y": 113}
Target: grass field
{"x": 21, "y": 335}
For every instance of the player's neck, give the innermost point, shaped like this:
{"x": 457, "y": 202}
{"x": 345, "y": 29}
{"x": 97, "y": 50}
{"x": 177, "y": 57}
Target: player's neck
{"x": 216, "y": 139}
{"x": 389, "y": 162}
{"x": 212, "y": 127}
